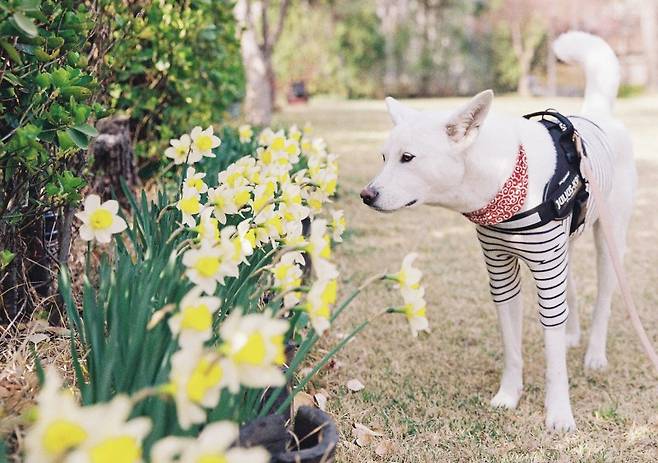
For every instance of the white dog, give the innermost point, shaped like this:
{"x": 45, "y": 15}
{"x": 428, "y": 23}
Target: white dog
{"x": 465, "y": 159}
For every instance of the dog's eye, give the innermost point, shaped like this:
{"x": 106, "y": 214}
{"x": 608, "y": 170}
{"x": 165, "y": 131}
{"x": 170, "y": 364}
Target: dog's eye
{"x": 384, "y": 157}
{"x": 406, "y": 157}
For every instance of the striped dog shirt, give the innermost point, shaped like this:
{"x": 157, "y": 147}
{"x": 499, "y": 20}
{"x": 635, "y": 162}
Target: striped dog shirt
{"x": 543, "y": 247}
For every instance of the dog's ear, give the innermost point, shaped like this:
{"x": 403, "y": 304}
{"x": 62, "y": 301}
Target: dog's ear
{"x": 464, "y": 124}
{"x": 398, "y": 111}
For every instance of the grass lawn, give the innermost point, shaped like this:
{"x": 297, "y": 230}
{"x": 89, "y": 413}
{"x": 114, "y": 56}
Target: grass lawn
{"x": 430, "y": 397}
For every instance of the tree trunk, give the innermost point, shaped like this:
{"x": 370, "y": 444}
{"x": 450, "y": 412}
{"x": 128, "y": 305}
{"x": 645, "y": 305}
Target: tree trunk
{"x": 388, "y": 13}
{"x": 113, "y": 159}
{"x": 551, "y": 65}
{"x": 649, "y": 36}
{"x": 258, "y": 98}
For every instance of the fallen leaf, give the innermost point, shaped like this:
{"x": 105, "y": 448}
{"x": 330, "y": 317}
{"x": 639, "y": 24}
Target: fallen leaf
{"x": 302, "y": 398}
{"x": 355, "y": 385}
{"x": 363, "y": 434}
{"x": 321, "y": 401}
{"x": 36, "y": 338}
{"x": 385, "y": 448}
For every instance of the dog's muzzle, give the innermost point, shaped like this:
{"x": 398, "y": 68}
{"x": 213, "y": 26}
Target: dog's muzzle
{"x": 369, "y": 196}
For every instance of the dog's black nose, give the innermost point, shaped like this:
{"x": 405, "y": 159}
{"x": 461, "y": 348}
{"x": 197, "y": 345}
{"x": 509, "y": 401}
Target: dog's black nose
{"x": 369, "y": 196}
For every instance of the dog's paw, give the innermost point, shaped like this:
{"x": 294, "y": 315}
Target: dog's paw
{"x": 595, "y": 361}
{"x": 560, "y": 421}
{"x": 573, "y": 339}
{"x": 505, "y": 399}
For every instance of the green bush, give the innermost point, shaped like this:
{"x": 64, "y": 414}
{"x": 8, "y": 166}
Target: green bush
{"x": 44, "y": 112}
{"x": 171, "y": 65}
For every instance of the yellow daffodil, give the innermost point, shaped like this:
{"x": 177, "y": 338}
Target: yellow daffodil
{"x": 246, "y": 133}
{"x": 209, "y": 265}
{"x": 288, "y": 277}
{"x": 408, "y": 276}
{"x": 294, "y": 133}
{"x": 245, "y": 240}
{"x": 100, "y": 221}
{"x": 203, "y": 142}
{"x": 255, "y": 344}
{"x": 196, "y": 380}
{"x": 179, "y": 149}
{"x": 61, "y": 425}
{"x": 208, "y": 227}
{"x": 415, "y": 310}
{"x": 194, "y": 320}
{"x": 265, "y": 137}
{"x": 189, "y": 205}
{"x": 214, "y": 445}
{"x": 115, "y": 438}
{"x": 337, "y": 225}
{"x": 319, "y": 301}
{"x": 319, "y": 248}
{"x": 194, "y": 180}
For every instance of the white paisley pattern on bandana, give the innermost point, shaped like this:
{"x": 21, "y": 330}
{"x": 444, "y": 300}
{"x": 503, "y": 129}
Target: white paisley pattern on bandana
{"x": 510, "y": 198}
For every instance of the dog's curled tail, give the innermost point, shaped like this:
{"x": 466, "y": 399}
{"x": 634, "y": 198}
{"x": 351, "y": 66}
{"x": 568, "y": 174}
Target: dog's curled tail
{"x": 600, "y": 64}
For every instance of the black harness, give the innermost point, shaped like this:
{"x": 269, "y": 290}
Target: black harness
{"x": 565, "y": 194}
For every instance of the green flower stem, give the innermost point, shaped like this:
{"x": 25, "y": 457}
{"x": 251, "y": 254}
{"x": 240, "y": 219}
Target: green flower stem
{"x": 313, "y": 338}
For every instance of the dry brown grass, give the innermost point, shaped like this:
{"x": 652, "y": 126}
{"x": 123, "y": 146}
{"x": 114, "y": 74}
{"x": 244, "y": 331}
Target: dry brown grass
{"x": 430, "y": 397}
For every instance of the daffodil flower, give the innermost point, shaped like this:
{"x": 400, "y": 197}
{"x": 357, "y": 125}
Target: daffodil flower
{"x": 194, "y": 180}
{"x": 294, "y": 133}
{"x": 179, "y": 149}
{"x": 319, "y": 301}
{"x": 408, "y": 276}
{"x": 100, "y": 221}
{"x": 208, "y": 227}
{"x": 415, "y": 310}
{"x": 265, "y": 137}
{"x": 61, "y": 425}
{"x": 319, "y": 248}
{"x": 337, "y": 225}
{"x": 255, "y": 344}
{"x": 209, "y": 265}
{"x": 245, "y": 133}
{"x": 189, "y": 205}
{"x": 118, "y": 439}
{"x": 193, "y": 322}
{"x": 196, "y": 380}
{"x": 203, "y": 142}
{"x": 214, "y": 445}
{"x": 287, "y": 277}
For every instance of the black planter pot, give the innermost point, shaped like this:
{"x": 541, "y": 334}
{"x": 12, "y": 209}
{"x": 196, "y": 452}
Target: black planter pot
{"x": 312, "y": 439}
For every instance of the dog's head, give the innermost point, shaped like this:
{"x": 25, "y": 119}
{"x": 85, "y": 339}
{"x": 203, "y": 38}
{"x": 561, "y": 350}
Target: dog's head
{"x": 424, "y": 156}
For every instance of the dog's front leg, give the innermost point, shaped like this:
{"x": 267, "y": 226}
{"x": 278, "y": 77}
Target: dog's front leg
{"x": 557, "y": 404}
{"x": 510, "y": 317}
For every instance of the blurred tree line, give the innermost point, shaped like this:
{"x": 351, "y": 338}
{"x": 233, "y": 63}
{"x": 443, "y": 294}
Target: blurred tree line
{"x": 369, "y": 48}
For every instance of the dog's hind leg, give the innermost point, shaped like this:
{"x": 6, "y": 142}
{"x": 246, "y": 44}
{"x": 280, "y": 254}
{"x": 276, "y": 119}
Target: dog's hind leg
{"x": 573, "y": 322}
{"x": 510, "y": 317}
{"x": 595, "y": 357}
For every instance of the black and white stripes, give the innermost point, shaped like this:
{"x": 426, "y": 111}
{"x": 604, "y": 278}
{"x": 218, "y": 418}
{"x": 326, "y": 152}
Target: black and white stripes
{"x": 544, "y": 249}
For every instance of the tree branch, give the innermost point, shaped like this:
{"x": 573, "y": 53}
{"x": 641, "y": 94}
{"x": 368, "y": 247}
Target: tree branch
{"x": 283, "y": 12}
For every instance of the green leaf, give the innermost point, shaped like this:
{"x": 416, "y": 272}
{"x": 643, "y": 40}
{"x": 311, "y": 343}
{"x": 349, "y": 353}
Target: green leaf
{"x": 79, "y": 138}
{"x": 86, "y": 129}
{"x": 25, "y": 24}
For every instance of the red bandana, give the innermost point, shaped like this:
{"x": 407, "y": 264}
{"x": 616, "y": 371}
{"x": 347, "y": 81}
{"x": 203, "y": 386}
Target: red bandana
{"x": 509, "y": 199}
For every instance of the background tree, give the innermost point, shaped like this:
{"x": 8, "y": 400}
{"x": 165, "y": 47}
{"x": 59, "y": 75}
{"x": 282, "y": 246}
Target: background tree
{"x": 257, "y": 40}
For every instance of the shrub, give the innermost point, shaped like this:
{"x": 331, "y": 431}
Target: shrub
{"x": 44, "y": 114}
{"x": 170, "y": 65}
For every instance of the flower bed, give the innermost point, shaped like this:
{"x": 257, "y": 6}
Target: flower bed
{"x": 182, "y": 328}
